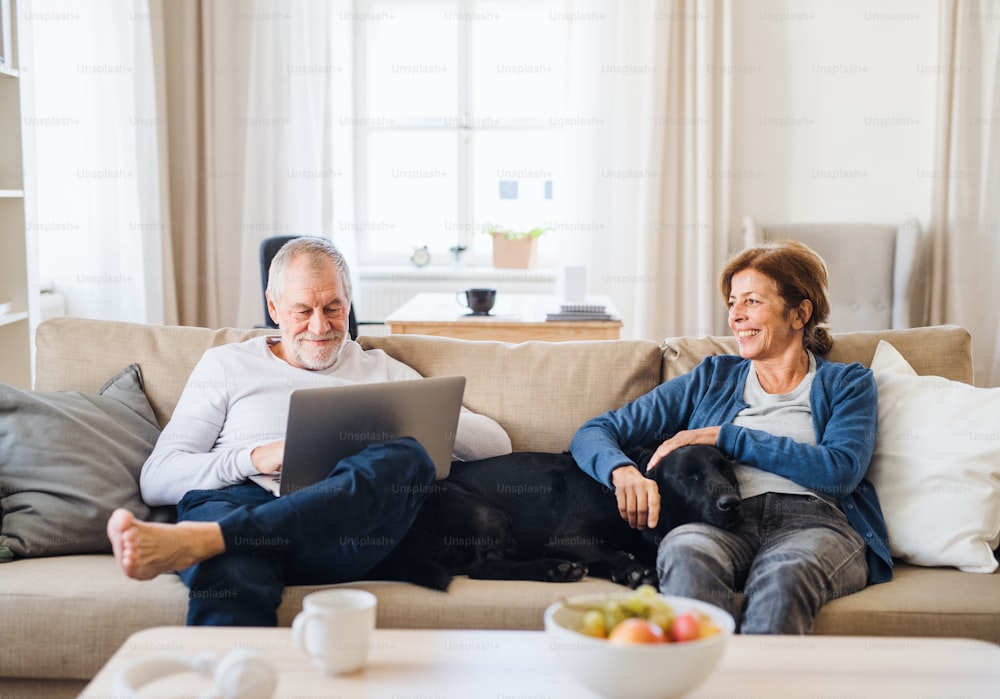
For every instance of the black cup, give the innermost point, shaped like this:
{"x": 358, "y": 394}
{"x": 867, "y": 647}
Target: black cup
{"x": 479, "y": 301}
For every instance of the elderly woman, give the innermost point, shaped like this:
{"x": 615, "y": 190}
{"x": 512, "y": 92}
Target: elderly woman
{"x": 803, "y": 430}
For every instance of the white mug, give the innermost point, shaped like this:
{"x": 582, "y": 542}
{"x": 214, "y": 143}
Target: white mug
{"x": 335, "y": 628}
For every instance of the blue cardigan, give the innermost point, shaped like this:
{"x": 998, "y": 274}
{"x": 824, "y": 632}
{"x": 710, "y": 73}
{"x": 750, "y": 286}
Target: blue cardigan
{"x": 844, "y": 406}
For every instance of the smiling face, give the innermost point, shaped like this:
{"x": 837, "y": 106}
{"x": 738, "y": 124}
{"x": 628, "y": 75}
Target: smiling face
{"x": 765, "y": 329}
{"x": 312, "y": 312}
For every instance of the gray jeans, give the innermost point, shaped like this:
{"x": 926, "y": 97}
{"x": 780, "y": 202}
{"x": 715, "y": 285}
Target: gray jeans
{"x": 792, "y": 554}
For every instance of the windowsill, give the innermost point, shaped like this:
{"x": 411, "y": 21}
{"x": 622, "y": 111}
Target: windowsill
{"x": 455, "y": 272}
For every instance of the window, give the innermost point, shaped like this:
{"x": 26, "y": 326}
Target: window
{"x": 458, "y": 105}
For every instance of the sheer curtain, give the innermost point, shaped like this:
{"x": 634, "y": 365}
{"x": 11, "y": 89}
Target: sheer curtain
{"x": 241, "y": 127}
{"x": 288, "y": 155}
{"x": 175, "y": 135}
{"x": 201, "y": 62}
{"x": 686, "y": 233}
{"x": 249, "y": 91}
{"x": 646, "y": 179}
{"x": 965, "y": 218}
{"x": 93, "y": 124}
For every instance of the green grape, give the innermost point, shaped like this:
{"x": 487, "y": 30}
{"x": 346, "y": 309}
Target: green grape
{"x": 592, "y": 623}
{"x": 645, "y": 602}
{"x": 662, "y": 616}
{"x": 636, "y": 606}
{"x": 614, "y": 614}
{"x": 647, "y": 592}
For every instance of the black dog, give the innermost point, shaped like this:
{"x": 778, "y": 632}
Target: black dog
{"x": 537, "y": 516}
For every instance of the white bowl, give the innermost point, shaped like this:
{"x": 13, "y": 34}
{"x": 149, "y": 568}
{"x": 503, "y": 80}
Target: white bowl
{"x": 637, "y": 671}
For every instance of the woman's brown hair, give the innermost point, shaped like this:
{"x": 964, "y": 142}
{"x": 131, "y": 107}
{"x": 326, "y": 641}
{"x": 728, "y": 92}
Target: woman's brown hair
{"x": 799, "y": 273}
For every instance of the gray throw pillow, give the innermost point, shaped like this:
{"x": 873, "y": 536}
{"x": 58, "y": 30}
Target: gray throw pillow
{"x": 67, "y": 460}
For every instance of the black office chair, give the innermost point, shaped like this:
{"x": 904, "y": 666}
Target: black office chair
{"x": 268, "y": 249}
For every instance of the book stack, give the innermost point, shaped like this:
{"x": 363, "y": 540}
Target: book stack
{"x": 581, "y": 311}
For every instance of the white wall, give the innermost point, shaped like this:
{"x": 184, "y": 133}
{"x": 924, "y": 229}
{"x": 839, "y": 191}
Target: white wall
{"x": 834, "y": 110}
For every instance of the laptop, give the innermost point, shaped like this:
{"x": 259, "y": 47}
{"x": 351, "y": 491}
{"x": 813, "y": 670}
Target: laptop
{"x": 328, "y": 424}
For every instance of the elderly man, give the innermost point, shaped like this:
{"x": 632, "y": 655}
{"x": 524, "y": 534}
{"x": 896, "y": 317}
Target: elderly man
{"x": 236, "y": 545}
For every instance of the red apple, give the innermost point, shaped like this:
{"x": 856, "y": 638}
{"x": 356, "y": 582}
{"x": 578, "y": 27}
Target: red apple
{"x": 686, "y": 627}
{"x": 635, "y": 630}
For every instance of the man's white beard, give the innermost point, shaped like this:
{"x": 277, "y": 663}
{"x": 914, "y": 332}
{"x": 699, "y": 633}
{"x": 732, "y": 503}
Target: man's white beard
{"x": 318, "y": 359}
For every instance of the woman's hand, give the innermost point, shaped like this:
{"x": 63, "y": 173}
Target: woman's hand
{"x": 702, "y": 435}
{"x": 638, "y": 497}
{"x": 267, "y": 458}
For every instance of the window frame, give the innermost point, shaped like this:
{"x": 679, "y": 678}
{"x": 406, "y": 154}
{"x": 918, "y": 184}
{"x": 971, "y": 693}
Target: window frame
{"x": 463, "y": 125}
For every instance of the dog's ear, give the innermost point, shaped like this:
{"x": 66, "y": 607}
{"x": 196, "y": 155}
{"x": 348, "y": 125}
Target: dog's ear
{"x": 728, "y": 466}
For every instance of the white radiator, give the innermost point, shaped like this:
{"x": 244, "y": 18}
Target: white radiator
{"x": 383, "y": 290}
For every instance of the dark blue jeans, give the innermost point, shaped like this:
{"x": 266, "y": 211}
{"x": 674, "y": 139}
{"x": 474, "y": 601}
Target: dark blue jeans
{"x": 333, "y": 531}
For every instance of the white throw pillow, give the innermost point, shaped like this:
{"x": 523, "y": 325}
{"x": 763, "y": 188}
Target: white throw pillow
{"x": 936, "y": 466}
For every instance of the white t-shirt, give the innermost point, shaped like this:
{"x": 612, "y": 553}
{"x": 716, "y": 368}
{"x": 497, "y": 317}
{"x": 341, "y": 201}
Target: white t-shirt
{"x": 782, "y": 414}
{"x": 236, "y": 399}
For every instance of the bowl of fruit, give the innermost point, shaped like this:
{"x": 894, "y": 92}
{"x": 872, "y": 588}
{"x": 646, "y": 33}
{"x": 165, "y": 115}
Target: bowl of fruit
{"x": 638, "y": 644}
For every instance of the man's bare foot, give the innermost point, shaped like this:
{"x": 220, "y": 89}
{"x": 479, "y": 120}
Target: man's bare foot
{"x": 146, "y": 549}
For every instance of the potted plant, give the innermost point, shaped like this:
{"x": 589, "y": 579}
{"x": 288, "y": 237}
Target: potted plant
{"x": 515, "y": 249}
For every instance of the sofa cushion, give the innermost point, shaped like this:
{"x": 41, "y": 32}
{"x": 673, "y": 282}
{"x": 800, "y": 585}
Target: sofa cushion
{"x": 64, "y": 616}
{"x": 67, "y": 460}
{"x": 79, "y": 354}
{"x": 942, "y": 350}
{"x": 70, "y": 613}
{"x": 936, "y": 466}
{"x": 540, "y": 392}
{"x": 86, "y": 608}
{"x": 919, "y": 601}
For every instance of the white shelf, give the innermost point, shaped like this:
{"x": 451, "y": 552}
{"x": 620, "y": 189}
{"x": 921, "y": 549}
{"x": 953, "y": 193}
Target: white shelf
{"x": 18, "y": 249}
{"x": 9, "y": 318}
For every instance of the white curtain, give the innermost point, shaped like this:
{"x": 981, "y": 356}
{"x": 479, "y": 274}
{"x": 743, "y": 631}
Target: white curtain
{"x": 92, "y": 122}
{"x": 174, "y": 136}
{"x": 294, "y": 137}
{"x": 251, "y": 86}
{"x": 647, "y": 178}
{"x": 288, "y": 168}
{"x": 966, "y": 198}
{"x": 204, "y": 127}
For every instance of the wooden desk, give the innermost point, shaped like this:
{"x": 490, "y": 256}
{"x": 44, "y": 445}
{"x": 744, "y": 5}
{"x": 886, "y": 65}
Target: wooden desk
{"x": 409, "y": 663}
{"x": 514, "y": 318}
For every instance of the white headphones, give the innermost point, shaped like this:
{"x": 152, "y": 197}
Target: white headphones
{"x": 237, "y": 675}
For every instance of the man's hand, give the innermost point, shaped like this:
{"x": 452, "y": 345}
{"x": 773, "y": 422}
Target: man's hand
{"x": 702, "y": 435}
{"x": 638, "y": 497}
{"x": 267, "y": 458}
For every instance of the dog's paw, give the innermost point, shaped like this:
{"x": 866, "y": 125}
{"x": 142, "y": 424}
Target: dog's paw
{"x": 429, "y": 574}
{"x": 566, "y": 571}
{"x": 635, "y": 575}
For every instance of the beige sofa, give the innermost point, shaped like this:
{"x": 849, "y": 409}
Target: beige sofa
{"x": 68, "y": 614}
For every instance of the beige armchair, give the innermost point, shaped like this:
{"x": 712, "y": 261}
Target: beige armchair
{"x": 878, "y": 272}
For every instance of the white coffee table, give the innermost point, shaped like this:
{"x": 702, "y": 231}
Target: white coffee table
{"x": 472, "y": 664}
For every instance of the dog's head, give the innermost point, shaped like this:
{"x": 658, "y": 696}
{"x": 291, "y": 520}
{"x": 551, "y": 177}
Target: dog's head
{"x": 697, "y": 483}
